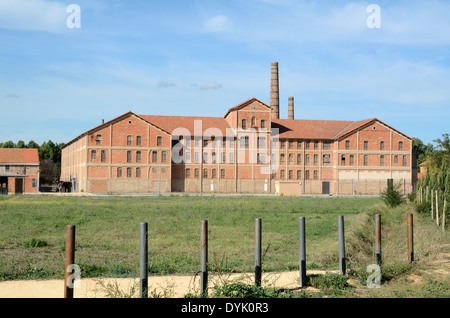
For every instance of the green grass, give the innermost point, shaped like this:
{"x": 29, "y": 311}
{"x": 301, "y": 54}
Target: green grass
{"x": 32, "y": 233}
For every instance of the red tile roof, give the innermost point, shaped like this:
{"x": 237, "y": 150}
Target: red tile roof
{"x": 309, "y": 129}
{"x": 170, "y": 123}
{"x": 19, "y": 155}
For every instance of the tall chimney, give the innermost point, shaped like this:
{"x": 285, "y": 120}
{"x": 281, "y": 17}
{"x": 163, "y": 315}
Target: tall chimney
{"x": 274, "y": 92}
{"x": 291, "y": 108}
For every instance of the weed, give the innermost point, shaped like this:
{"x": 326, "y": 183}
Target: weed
{"x": 32, "y": 243}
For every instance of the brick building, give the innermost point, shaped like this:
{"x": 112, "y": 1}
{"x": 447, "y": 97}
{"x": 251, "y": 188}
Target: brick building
{"x": 249, "y": 150}
{"x": 19, "y": 171}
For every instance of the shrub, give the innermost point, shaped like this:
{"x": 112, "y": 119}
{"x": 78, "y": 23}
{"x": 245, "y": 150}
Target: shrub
{"x": 391, "y": 195}
{"x": 34, "y": 243}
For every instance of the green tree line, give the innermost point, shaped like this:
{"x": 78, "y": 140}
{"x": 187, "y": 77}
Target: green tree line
{"x": 432, "y": 192}
{"x": 49, "y": 158}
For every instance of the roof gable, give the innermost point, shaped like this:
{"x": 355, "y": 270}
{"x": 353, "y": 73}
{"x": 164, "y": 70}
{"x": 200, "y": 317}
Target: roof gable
{"x": 19, "y": 155}
{"x": 247, "y": 103}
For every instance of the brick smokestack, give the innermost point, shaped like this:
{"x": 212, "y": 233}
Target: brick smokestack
{"x": 291, "y": 108}
{"x": 275, "y": 92}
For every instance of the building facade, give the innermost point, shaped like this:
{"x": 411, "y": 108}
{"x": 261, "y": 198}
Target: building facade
{"x": 249, "y": 150}
{"x": 19, "y": 171}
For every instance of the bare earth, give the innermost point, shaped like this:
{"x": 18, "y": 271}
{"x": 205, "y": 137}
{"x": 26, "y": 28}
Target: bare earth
{"x": 163, "y": 286}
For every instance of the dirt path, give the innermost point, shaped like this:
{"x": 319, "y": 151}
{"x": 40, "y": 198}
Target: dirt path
{"x": 164, "y": 286}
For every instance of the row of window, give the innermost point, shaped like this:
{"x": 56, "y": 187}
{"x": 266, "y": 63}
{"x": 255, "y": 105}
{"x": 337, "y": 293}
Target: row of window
{"x": 137, "y": 156}
{"x": 253, "y": 123}
{"x": 137, "y": 172}
{"x": 98, "y": 140}
{"x": 366, "y": 160}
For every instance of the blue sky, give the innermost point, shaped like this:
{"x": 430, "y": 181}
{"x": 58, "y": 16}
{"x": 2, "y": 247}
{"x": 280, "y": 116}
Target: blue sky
{"x": 202, "y": 57}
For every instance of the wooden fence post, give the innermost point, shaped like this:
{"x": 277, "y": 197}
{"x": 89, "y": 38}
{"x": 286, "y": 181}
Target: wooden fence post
{"x": 302, "y": 251}
{"x": 341, "y": 240}
{"x": 258, "y": 265}
{"x": 144, "y": 260}
{"x": 378, "y": 238}
{"x": 203, "y": 258}
{"x": 70, "y": 260}
{"x": 410, "y": 238}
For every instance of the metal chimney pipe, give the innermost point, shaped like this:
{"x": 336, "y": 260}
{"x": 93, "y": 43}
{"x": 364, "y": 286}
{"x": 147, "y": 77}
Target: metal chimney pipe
{"x": 291, "y": 108}
{"x": 274, "y": 92}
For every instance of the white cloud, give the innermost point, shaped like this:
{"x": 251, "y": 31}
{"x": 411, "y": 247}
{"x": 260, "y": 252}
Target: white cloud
{"x": 211, "y": 85}
{"x": 218, "y": 23}
{"x": 36, "y": 15}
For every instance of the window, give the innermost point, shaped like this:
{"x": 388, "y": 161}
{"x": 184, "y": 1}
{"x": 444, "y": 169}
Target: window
{"x": 299, "y": 174}
{"x": 343, "y": 160}
{"x": 128, "y": 156}
{"x": 119, "y": 172}
{"x": 222, "y": 173}
{"x": 291, "y": 159}
{"x": 129, "y": 140}
{"x": 103, "y": 155}
{"x": 291, "y": 174}
{"x": 347, "y": 145}
{"x": 197, "y": 143}
{"x": 196, "y": 173}
{"x": 138, "y": 156}
{"x": 307, "y": 145}
{"x": 381, "y": 160}
{"x": 98, "y": 140}
{"x": 244, "y": 142}
{"x": 164, "y": 156}
{"x": 231, "y": 157}
{"x": 213, "y": 157}
{"x": 93, "y": 158}
{"x": 307, "y": 175}
{"x": 307, "y": 159}
{"x": 261, "y": 142}
{"x": 261, "y": 158}
{"x": 291, "y": 144}
{"x": 232, "y": 143}
{"x": 381, "y": 145}
{"x": 214, "y": 142}
{"x": 244, "y": 123}
{"x": 326, "y": 160}
{"x": 154, "y": 170}
{"x": 316, "y": 145}
{"x": 253, "y": 121}
{"x": 282, "y": 159}
{"x": 205, "y": 157}
{"x": 159, "y": 141}
{"x": 366, "y": 145}
{"x": 405, "y": 161}
{"x": 282, "y": 175}
{"x": 352, "y": 160}
{"x": 366, "y": 160}
{"x": 274, "y": 174}
{"x": 299, "y": 145}
{"x": 196, "y": 157}
{"x": 154, "y": 156}
{"x": 128, "y": 172}
{"x": 188, "y": 173}
{"x": 400, "y": 145}
{"x": 224, "y": 143}
{"x": 282, "y": 144}
{"x": 327, "y": 145}
{"x": 214, "y": 174}
{"x": 138, "y": 141}
{"x": 315, "y": 175}
{"x": 395, "y": 159}
{"x": 205, "y": 143}
{"x": 138, "y": 172}
{"x": 34, "y": 183}
{"x": 205, "y": 173}
{"x": 223, "y": 157}
{"x": 263, "y": 123}
{"x": 299, "y": 159}
{"x": 188, "y": 157}
{"x": 316, "y": 160}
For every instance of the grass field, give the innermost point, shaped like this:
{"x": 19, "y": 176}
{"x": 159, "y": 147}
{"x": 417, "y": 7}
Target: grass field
{"x": 32, "y": 233}
{"x": 32, "y": 237}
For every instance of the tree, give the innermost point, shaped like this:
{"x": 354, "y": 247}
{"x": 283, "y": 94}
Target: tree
{"x": 32, "y": 144}
{"x": 422, "y": 150}
{"x": 8, "y": 144}
{"x": 391, "y": 195}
